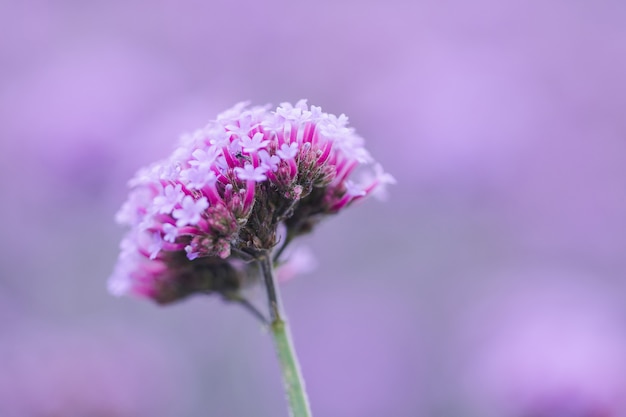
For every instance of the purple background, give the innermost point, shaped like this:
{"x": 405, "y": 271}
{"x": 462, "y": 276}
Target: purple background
{"x": 492, "y": 283}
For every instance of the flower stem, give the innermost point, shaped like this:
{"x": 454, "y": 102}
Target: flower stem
{"x": 292, "y": 377}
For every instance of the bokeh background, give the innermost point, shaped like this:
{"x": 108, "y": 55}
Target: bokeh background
{"x": 491, "y": 283}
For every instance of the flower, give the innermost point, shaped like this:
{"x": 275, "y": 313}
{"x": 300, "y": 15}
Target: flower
{"x": 254, "y": 143}
{"x": 190, "y": 211}
{"x": 250, "y": 173}
{"x": 287, "y": 151}
{"x": 197, "y": 216}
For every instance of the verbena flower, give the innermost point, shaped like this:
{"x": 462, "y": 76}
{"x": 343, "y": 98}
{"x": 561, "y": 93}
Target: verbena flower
{"x": 217, "y": 201}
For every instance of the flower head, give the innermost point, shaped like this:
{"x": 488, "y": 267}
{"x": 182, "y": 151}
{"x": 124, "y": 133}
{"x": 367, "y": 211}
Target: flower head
{"x": 219, "y": 199}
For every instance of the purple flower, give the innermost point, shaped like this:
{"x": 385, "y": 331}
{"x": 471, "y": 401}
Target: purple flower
{"x": 198, "y": 178}
{"x": 170, "y": 232}
{"x": 224, "y": 192}
{"x": 287, "y": 151}
{"x": 172, "y": 196}
{"x": 250, "y": 173}
{"x": 190, "y": 211}
{"x": 270, "y": 162}
{"x": 204, "y": 158}
{"x": 254, "y": 143}
{"x": 155, "y": 245}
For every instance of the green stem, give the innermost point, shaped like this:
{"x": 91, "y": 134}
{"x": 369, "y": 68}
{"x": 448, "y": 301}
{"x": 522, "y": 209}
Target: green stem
{"x": 292, "y": 377}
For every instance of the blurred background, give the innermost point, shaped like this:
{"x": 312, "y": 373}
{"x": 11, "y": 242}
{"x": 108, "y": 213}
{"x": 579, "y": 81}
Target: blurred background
{"x": 491, "y": 283}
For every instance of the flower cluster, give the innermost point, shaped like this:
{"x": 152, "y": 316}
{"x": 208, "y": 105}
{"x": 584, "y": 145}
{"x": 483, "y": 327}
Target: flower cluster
{"x": 219, "y": 199}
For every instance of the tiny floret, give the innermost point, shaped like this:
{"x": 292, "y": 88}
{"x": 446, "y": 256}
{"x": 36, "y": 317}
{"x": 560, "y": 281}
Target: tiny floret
{"x": 198, "y": 178}
{"x": 254, "y": 143}
{"x": 197, "y": 217}
{"x": 170, "y": 232}
{"x": 190, "y": 211}
{"x": 156, "y": 245}
{"x": 172, "y": 195}
{"x": 249, "y": 172}
{"x": 269, "y": 162}
{"x": 204, "y": 158}
{"x": 287, "y": 151}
